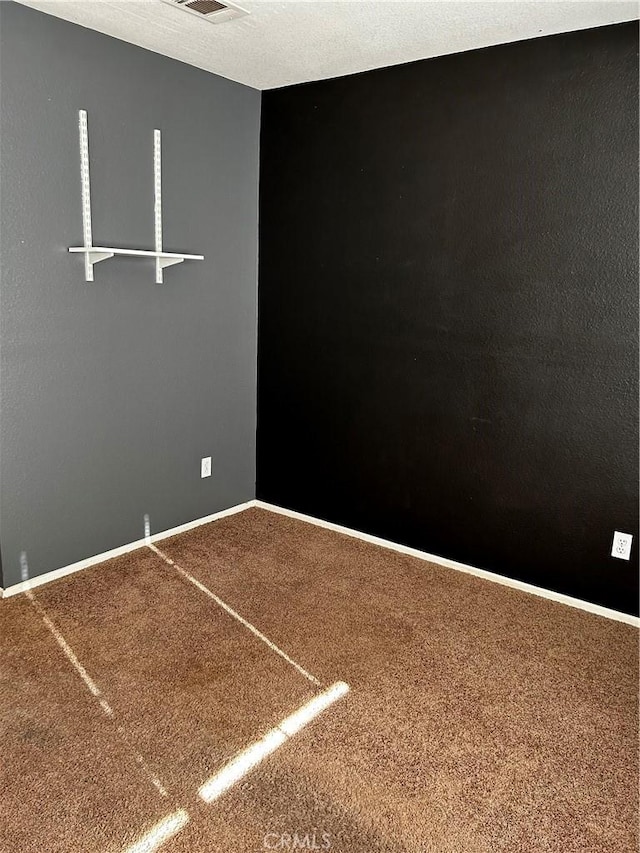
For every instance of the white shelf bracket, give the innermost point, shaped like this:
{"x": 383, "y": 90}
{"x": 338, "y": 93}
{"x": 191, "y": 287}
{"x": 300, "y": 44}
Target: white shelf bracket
{"x": 161, "y": 263}
{"x": 96, "y": 257}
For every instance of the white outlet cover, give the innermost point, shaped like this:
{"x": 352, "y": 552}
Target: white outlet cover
{"x": 205, "y": 466}
{"x": 621, "y": 547}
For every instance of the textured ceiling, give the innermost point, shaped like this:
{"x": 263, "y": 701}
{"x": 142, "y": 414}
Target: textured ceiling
{"x": 300, "y": 40}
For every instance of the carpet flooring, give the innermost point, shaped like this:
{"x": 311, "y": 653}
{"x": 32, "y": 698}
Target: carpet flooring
{"x": 191, "y": 699}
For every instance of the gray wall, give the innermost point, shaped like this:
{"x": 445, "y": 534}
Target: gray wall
{"x": 113, "y": 391}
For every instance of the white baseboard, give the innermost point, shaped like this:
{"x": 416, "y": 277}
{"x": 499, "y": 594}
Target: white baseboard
{"x": 460, "y": 567}
{"x": 39, "y": 580}
{"x": 607, "y": 612}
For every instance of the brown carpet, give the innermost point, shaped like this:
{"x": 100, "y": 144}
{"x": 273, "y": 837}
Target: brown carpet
{"x": 479, "y": 719}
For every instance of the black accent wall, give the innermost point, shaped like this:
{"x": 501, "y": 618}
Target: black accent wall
{"x": 448, "y": 307}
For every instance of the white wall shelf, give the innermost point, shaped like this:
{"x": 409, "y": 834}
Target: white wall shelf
{"x": 95, "y": 254}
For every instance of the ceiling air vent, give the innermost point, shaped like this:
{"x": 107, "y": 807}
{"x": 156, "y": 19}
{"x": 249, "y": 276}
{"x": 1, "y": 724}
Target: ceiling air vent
{"x": 210, "y": 10}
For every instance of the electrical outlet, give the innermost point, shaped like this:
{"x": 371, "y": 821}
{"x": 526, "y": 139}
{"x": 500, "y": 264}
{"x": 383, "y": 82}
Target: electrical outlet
{"x": 621, "y": 547}
{"x": 205, "y": 466}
